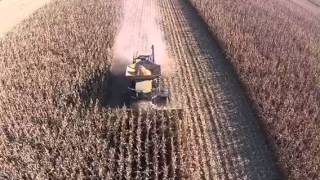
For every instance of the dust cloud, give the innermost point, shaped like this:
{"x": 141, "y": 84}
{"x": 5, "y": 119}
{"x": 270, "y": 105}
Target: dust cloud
{"x": 140, "y": 29}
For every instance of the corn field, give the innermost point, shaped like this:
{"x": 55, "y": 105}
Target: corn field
{"x": 55, "y": 75}
{"x": 53, "y": 125}
{"x": 274, "y": 47}
{"x": 46, "y": 63}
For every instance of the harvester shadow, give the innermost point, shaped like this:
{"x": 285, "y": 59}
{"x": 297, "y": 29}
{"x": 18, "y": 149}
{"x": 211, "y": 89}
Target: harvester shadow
{"x": 109, "y": 88}
{"x": 116, "y": 91}
{"x": 117, "y": 86}
{"x": 94, "y": 89}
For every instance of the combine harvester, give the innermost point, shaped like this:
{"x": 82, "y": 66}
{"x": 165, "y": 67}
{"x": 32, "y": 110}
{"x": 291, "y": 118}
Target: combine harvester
{"x": 145, "y": 89}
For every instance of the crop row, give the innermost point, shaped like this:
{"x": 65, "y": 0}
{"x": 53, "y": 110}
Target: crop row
{"x": 220, "y": 123}
{"x": 49, "y": 68}
{"x": 274, "y": 48}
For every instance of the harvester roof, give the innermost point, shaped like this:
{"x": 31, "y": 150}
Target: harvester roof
{"x": 143, "y": 70}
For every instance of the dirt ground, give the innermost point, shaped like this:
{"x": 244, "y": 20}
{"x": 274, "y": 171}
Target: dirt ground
{"x": 13, "y": 12}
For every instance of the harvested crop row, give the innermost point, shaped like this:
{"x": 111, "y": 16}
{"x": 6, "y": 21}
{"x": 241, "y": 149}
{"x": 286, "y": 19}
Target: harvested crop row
{"x": 50, "y": 65}
{"x": 223, "y": 136}
{"x": 274, "y": 47}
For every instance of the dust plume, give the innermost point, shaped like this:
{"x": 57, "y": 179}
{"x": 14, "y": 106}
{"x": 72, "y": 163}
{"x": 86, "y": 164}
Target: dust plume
{"x": 140, "y": 29}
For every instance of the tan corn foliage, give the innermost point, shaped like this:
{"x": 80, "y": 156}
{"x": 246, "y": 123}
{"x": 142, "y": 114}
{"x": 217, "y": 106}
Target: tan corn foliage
{"x": 54, "y": 69}
{"x": 274, "y": 47}
{"x": 45, "y": 64}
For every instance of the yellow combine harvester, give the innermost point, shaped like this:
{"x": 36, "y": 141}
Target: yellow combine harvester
{"x": 145, "y": 81}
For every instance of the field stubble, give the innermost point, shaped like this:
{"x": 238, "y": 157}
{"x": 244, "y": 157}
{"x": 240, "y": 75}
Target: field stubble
{"x": 274, "y": 48}
{"x": 223, "y": 134}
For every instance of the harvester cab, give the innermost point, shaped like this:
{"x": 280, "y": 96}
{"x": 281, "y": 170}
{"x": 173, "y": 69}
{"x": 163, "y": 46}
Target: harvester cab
{"x": 145, "y": 80}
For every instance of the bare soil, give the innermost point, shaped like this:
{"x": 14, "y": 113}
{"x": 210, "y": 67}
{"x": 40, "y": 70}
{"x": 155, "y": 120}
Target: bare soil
{"x": 12, "y": 12}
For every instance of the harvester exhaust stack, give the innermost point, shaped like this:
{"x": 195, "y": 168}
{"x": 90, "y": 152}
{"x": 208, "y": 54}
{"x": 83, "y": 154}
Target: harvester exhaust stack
{"x": 152, "y": 49}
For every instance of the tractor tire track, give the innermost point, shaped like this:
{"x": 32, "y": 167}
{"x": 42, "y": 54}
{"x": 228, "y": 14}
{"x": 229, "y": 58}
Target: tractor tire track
{"x": 199, "y": 140}
{"x": 224, "y": 136}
